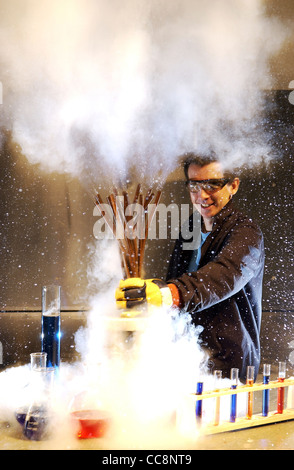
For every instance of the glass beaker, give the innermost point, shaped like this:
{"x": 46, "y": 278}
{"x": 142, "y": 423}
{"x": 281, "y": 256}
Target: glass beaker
{"x": 51, "y": 324}
{"x": 38, "y": 360}
{"x": 88, "y": 410}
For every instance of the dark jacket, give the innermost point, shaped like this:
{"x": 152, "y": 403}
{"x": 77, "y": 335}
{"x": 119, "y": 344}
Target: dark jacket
{"x": 224, "y": 295}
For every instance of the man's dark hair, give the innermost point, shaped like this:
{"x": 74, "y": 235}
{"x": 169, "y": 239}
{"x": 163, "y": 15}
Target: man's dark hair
{"x": 202, "y": 160}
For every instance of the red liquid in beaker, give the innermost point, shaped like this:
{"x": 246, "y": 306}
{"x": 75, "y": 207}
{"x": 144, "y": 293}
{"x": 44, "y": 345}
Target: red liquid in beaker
{"x": 92, "y": 423}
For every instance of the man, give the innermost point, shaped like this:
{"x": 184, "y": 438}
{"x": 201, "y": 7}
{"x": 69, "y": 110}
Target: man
{"x": 219, "y": 284}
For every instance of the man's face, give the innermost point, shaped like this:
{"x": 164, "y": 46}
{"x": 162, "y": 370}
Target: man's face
{"x": 210, "y": 203}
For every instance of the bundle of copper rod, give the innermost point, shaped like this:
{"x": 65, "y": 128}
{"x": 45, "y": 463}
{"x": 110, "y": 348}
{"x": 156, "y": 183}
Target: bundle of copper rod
{"x": 131, "y": 232}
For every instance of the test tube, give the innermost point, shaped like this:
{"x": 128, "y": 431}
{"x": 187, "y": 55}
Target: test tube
{"x": 198, "y": 407}
{"x": 281, "y": 391}
{"x": 217, "y": 377}
{"x": 265, "y": 393}
{"x": 234, "y": 379}
{"x": 249, "y": 382}
{"x": 51, "y": 324}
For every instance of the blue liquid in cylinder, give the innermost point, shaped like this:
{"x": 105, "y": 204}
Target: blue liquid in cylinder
{"x": 51, "y": 339}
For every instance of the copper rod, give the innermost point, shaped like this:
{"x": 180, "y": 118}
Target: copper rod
{"x": 137, "y": 193}
{"x": 121, "y": 241}
{"x": 130, "y": 243}
{"x": 131, "y": 247}
{"x": 148, "y": 220}
{"x": 99, "y": 202}
{"x": 148, "y": 198}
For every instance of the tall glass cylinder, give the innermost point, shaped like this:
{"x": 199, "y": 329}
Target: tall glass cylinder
{"x": 51, "y": 324}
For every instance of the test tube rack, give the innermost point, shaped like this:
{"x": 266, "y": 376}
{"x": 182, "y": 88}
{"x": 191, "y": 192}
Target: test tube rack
{"x": 256, "y": 419}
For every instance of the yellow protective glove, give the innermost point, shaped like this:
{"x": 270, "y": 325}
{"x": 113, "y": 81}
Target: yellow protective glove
{"x": 135, "y": 291}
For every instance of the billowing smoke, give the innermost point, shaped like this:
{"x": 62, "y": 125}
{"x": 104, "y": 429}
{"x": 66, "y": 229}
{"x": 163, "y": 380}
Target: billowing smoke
{"x": 98, "y": 87}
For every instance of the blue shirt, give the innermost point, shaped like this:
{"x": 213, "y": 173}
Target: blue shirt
{"x": 194, "y": 263}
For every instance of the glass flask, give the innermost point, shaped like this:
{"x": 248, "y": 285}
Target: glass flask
{"x": 35, "y": 415}
{"x": 38, "y": 361}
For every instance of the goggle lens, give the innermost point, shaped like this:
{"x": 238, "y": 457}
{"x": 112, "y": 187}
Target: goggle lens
{"x": 209, "y": 186}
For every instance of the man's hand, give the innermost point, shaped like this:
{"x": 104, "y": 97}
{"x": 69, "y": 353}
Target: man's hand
{"x": 134, "y": 292}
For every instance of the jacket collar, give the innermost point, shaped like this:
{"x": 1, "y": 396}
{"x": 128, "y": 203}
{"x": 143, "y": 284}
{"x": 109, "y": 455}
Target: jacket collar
{"x": 227, "y": 210}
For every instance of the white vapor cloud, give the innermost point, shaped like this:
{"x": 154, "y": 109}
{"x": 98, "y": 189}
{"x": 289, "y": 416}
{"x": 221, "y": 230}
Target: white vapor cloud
{"x": 96, "y": 87}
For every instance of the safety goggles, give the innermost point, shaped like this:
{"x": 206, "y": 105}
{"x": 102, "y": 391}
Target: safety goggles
{"x": 210, "y": 186}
